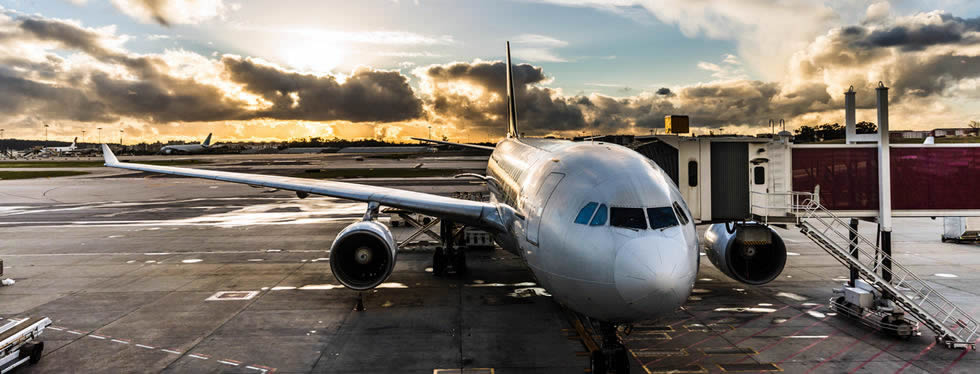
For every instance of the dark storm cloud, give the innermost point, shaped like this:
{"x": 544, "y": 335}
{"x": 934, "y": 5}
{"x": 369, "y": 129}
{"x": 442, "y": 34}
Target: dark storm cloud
{"x": 18, "y": 95}
{"x": 918, "y": 36}
{"x": 366, "y": 96}
{"x": 158, "y": 96}
{"x": 542, "y": 110}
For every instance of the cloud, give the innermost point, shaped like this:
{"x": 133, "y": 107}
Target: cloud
{"x": 61, "y": 70}
{"x": 367, "y": 95}
{"x": 766, "y": 32}
{"x": 102, "y": 82}
{"x": 168, "y": 12}
{"x": 538, "y": 48}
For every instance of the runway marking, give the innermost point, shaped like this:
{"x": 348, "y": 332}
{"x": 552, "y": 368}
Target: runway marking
{"x": 955, "y": 361}
{"x": 872, "y": 358}
{"x": 909, "y": 362}
{"x": 727, "y": 331}
{"x": 845, "y": 349}
{"x": 199, "y": 356}
{"x": 783, "y": 339}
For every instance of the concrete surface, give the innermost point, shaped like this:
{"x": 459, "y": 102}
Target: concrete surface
{"x": 125, "y": 266}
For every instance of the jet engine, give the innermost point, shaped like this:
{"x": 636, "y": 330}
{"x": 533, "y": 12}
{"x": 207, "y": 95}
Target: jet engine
{"x": 749, "y": 252}
{"x": 363, "y": 255}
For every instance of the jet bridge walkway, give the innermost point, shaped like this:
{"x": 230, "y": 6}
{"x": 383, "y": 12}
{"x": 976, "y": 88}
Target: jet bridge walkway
{"x": 954, "y": 328}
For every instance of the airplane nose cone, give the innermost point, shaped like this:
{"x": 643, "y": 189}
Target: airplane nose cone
{"x": 653, "y": 274}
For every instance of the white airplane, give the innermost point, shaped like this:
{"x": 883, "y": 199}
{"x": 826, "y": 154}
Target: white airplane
{"x": 189, "y": 148}
{"x": 601, "y": 227}
{"x": 71, "y": 148}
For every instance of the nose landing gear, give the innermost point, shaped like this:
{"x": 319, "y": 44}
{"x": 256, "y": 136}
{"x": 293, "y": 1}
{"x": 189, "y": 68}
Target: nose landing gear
{"x": 612, "y": 357}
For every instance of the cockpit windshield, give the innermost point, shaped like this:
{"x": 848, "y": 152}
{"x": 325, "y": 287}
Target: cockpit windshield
{"x": 662, "y": 217}
{"x": 631, "y": 218}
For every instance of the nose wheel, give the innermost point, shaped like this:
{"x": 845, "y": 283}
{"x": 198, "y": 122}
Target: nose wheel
{"x": 612, "y": 357}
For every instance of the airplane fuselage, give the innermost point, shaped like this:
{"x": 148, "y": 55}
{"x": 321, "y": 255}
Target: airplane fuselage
{"x": 586, "y": 234}
{"x": 185, "y": 149}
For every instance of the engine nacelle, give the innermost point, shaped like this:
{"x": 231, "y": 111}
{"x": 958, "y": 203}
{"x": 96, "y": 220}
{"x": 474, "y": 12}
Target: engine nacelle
{"x": 363, "y": 255}
{"x": 751, "y": 253}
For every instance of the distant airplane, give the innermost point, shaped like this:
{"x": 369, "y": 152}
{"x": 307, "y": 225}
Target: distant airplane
{"x": 602, "y": 227}
{"x": 190, "y": 148}
{"x": 68, "y": 149}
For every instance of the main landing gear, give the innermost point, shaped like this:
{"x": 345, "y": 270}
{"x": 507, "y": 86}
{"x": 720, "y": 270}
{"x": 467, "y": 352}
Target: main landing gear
{"x": 612, "y": 357}
{"x": 448, "y": 259}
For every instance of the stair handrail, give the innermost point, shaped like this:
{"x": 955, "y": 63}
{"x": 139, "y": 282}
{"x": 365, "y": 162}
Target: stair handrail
{"x": 809, "y": 209}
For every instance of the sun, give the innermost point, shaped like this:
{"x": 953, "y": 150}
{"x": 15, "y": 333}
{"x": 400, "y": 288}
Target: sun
{"x": 313, "y": 55}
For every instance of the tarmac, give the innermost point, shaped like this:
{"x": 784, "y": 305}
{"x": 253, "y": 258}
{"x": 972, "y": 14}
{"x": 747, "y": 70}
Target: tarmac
{"x": 163, "y": 274}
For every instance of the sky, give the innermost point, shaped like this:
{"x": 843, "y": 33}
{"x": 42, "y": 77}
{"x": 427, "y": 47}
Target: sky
{"x": 391, "y": 69}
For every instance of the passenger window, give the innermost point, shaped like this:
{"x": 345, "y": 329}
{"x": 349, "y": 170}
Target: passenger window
{"x": 661, "y": 217}
{"x": 600, "y": 216}
{"x": 760, "y": 175}
{"x": 586, "y": 213}
{"x": 681, "y": 214}
{"x": 692, "y": 173}
{"x": 628, "y": 217}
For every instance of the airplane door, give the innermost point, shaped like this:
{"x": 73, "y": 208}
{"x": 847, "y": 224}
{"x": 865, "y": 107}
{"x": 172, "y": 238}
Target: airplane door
{"x": 537, "y": 205}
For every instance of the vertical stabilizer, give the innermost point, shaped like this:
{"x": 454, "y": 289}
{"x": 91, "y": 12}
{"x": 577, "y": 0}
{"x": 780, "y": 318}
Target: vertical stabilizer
{"x": 73, "y": 141}
{"x": 512, "y": 131}
{"x": 207, "y": 141}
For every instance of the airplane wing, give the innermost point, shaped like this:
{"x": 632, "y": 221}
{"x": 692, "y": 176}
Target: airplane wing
{"x": 474, "y": 213}
{"x": 474, "y": 146}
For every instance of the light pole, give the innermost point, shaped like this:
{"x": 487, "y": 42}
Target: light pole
{"x": 120, "y": 137}
{"x": 430, "y": 131}
{"x": 83, "y": 136}
{"x": 1, "y": 133}
{"x": 100, "y": 134}
{"x": 45, "y": 135}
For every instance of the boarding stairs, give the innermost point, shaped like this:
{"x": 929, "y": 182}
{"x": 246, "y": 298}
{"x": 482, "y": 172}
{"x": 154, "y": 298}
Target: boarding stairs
{"x": 953, "y": 327}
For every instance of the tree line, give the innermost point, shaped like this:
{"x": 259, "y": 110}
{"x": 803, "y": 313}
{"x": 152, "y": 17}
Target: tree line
{"x": 828, "y": 131}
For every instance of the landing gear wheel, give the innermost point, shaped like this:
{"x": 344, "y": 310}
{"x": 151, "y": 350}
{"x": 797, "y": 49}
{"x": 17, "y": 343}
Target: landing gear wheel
{"x": 459, "y": 262}
{"x": 598, "y": 363}
{"x": 621, "y": 361}
{"x": 439, "y": 262}
{"x": 34, "y": 350}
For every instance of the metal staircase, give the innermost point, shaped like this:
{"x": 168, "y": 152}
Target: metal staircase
{"x": 953, "y": 327}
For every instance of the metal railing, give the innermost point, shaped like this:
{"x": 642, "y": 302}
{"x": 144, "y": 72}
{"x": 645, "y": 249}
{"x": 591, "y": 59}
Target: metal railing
{"x": 778, "y": 204}
{"x": 953, "y": 326}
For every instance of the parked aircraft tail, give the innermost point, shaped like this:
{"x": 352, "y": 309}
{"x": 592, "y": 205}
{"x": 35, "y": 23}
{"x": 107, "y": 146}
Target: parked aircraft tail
{"x": 512, "y": 130}
{"x": 207, "y": 141}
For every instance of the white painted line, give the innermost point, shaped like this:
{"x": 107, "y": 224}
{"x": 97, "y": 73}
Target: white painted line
{"x": 228, "y": 363}
{"x": 145, "y": 346}
{"x": 191, "y": 261}
{"x": 56, "y": 328}
{"x": 197, "y": 356}
{"x": 255, "y": 368}
{"x": 75, "y": 332}
{"x": 97, "y": 337}
{"x": 170, "y": 351}
{"x": 119, "y": 341}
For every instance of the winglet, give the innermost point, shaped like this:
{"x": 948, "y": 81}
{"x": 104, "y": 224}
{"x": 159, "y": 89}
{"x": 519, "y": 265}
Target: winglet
{"x": 110, "y": 159}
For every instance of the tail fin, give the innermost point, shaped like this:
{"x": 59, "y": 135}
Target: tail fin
{"x": 512, "y": 131}
{"x": 207, "y": 141}
{"x": 73, "y": 141}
